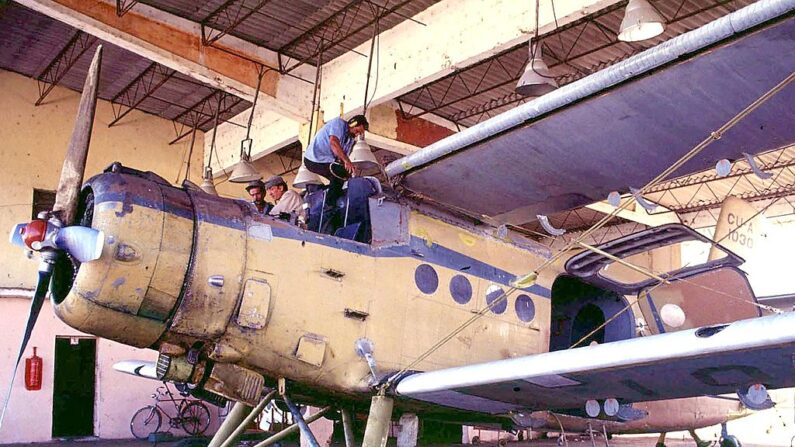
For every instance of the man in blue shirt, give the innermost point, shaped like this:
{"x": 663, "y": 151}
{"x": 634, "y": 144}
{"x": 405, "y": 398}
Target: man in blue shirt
{"x": 327, "y": 153}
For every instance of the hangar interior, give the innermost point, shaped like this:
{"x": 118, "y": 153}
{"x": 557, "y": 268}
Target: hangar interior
{"x": 193, "y": 90}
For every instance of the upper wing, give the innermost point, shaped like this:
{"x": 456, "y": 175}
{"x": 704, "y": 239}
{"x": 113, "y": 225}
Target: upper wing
{"x": 622, "y": 126}
{"x": 713, "y": 360}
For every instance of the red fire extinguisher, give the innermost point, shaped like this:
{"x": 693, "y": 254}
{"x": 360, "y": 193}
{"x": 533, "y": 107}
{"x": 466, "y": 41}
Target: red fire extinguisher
{"x": 33, "y": 369}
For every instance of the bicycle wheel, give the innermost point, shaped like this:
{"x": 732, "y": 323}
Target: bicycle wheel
{"x": 195, "y": 418}
{"x": 145, "y": 421}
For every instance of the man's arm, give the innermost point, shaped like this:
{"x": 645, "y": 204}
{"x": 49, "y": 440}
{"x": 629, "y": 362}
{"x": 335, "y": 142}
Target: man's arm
{"x": 336, "y": 148}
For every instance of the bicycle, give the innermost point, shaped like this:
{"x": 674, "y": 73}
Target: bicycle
{"x": 192, "y": 415}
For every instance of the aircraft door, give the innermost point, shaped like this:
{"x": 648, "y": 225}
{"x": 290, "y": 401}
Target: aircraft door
{"x": 712, "y": 297}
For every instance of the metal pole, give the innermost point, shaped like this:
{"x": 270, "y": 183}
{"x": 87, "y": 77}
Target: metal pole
{"x": 347, "y": 427}
{"x": 299, "y": 420}
{"x": 292, "y": 429}
{"x": 377, "y": 430}
{"x": 253, "y": 414}
{"x": 236, "y": 415}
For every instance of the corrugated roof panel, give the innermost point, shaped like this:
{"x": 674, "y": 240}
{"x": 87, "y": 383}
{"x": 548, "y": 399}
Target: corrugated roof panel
{"x": 585, "y": 44}
{"x": 29, "y": 41}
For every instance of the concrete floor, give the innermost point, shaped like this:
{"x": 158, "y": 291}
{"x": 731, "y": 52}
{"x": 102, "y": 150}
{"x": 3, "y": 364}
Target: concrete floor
{"x": 582, "y": 442}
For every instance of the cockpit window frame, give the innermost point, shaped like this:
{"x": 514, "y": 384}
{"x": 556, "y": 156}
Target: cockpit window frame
{"x": 588, "y": 264}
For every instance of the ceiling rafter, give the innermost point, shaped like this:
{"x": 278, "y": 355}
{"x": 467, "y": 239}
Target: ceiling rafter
{"x": 141, "y": 88}
{"x": 332, "y": 32}
{"x": 124, "y": 6}
{"x": 185, "y": 122}
{"x": 227, "y": 17}
{"x": 63, "y": 62}
{"x": 573, "y": 51}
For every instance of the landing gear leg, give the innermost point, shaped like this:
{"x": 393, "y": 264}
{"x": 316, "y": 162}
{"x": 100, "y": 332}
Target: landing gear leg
{"x": 661, "y": 440}
{"x": 377, "y": 430}
{"x": 302, "y": 424}
{"x": 231, "y": 438}
{"x": 699, "y": 441}
{"x": 233, "y": 419}
{"x": 727, "y": 440}
{"x": 347, "y": 427}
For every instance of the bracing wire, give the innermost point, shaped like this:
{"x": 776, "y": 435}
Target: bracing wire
{"x": 577, "y": 241}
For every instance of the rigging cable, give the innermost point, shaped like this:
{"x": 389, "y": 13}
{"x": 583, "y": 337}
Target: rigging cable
{"x": 714, "y": 136}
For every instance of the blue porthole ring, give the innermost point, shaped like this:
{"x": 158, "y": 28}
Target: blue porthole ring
{"x": 525, "y": 308}
{"x": 461, "y": 289}
{"x": 426, "y": 278}
{"x": 492, "y": 294}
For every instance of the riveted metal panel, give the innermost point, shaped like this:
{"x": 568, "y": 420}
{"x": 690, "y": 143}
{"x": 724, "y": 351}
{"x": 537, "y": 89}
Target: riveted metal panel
{"x": 254, "y": 304}
{"x": 219, "y": 253}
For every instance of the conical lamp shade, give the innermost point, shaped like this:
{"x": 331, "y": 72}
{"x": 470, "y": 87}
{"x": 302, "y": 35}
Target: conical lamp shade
{"x": 207, "y": 182}
{"x": 641, "y": 22}
{"x": 304, "y": 177}
{"x": 362, "y": 157}
{"x": 244, "y": 172}
{"x": 536, "y": 79}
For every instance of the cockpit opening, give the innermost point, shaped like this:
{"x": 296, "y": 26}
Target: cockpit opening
{"x": 583, "y": 314}
{"x": 347, "y": 216}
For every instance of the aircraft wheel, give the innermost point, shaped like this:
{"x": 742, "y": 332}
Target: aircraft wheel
{"x": 730, "y": 441}
{"x": 659, "y": 444}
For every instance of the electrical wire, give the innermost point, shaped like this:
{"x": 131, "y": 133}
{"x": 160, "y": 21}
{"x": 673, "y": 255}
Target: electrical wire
{"x": 376, "y": 29}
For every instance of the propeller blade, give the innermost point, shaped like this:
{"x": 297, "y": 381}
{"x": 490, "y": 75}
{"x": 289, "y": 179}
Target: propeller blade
{"x": 84, "y": 243}
{"x": 74, "y": 165}
{"x": 16, "y": 235}
{"x": 33, "y": 315}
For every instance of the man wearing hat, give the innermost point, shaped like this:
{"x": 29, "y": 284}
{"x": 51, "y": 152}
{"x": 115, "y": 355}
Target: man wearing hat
{"x": 257, "y": 190}
{"x": 327, "y": 153}
{"x": 287, "y": 201}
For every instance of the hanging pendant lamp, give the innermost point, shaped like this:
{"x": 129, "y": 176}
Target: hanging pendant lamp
{"x": 641, "y": 21}
{"x": 244, "y": 171}
{"x": 207, "y": 182}
{"x": 362, "y": 157}
{"x": 305, "y": 177}
{"x": 536, "y": 79}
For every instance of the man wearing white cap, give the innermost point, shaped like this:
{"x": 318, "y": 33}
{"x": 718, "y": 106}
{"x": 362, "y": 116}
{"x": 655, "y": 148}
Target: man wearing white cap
{"x": 287, "y": 201}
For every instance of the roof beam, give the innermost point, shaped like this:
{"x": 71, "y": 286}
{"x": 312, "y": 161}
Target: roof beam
{"x": 226, "y": 18}
{"x": 124, "y": 6}
{"x": 176, "y": 43}
{"x": 141, "y": 88}
{"x": 420, "y": 54}
{"x": 635, "y": 215}
{"x": 204, "y": 108}
{"x": 62, "y": 63}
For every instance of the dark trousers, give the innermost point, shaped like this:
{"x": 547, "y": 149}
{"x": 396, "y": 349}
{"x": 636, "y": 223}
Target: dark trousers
{"x": 335, "y": 173}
